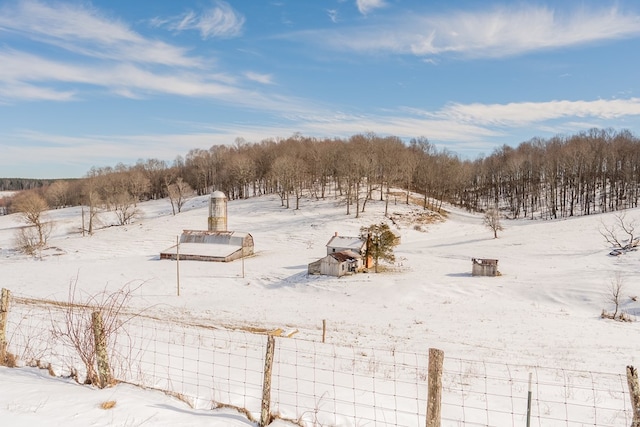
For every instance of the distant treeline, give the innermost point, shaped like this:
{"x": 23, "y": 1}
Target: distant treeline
{"x": 586, "y": 173}
{"x": 17, "y": 184}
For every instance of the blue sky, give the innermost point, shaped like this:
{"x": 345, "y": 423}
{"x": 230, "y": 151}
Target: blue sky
{"x": 95, "y": 83}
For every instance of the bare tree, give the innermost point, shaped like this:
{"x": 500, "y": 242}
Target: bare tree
{"x": 179, "y": 193}
{"x": 492, "y": 221}
{"x": 614, "y": 296}
{"x": 31, "y": 208}
{"x": 139, "y": 184}
{"x": 57, "y": 194}
{"x": 92, "y": 198}
{"x": 283, "y": 173}
{"x": 620, "y": 234}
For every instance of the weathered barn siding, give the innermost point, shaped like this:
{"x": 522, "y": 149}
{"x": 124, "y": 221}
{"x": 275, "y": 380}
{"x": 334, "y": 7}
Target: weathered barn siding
{"x": 484, "y": 267}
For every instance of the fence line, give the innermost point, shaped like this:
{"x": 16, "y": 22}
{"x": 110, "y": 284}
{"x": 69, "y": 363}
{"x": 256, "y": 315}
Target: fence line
{"x": 313, "y": 383}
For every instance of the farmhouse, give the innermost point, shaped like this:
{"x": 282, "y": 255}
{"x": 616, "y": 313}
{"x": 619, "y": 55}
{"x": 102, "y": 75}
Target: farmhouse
{"x": 345, "y": 255}
{"x": 214, "y": 244}
{"x": 338, "y": 264}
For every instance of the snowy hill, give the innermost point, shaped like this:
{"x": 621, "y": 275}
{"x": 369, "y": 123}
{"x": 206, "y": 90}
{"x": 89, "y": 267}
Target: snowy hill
{"x": 543, "y": 310}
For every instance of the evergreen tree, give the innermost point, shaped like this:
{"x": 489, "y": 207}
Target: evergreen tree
{"x": 380, "y": 243}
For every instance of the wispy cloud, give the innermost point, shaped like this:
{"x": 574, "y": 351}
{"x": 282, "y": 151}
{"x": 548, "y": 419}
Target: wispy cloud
{"x": 366, "y": 6}
{"x": 221, "y": 20}
{"x": 260, "y": 78}
{"x": 527, "y": 113}
{"x": 94, "y": 50}
{"x": 21, "y": 73}
{"x": 333, "y": 15}
{"x": 499, "y": 32}
{"x": 85, "y": 31}
{"x": 466, "y": 129}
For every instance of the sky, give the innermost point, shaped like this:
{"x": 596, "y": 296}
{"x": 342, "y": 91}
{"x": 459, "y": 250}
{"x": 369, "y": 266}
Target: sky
{"x": 96, "y": 83}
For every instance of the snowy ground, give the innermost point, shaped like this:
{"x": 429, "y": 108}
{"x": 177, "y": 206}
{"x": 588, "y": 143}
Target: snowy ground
{"x": 544, "y": 310}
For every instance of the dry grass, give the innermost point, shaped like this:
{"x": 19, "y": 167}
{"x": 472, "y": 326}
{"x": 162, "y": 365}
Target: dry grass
{"x": 10, "y": 360}
{"x": 108, "y": 404}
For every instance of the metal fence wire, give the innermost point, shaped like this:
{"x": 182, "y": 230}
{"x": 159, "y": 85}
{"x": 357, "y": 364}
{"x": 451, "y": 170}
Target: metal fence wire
{"x": 318, "y": 384}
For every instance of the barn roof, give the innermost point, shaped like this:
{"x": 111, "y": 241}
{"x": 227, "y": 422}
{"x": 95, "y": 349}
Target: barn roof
{"x": 208, "y": 244}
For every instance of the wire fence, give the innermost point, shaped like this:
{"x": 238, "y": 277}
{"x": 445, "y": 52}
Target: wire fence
{"x": 318, "y": 384}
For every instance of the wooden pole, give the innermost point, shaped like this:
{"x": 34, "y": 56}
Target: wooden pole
{"x": 4, "y": 314}
{"x": 634, "y": 393}
{"x": 434, "y": 397}
{"x": 102, "y": 357}
{"x": 529, "y": 402}
{"x": 83, "y": 221}
{"x": 178, "y": 263}
{"x": 324, "y": 329}
{"x": 265, "y": 413}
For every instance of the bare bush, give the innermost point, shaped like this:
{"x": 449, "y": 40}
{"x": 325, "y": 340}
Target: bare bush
{"x": 614, "y": 296}
{"x": 77, "y": 329}
{"x": 30, "y": 240}
{"x": 125, "y": 208}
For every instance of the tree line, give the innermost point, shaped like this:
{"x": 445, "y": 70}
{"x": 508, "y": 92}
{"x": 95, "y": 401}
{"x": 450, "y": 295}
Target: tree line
{"x": 586, "y": 173}
{"x": 19, "y": 184}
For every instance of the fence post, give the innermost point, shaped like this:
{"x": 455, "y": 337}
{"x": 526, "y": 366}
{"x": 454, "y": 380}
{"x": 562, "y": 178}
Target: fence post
{"x": 265, "y": 413}
{"x": 634, "y": 392}
{"x": 324, "y": 330}
{"x": 102, "y": 358}
{"x": 529, "y": 401}
{"x": 434, "y": 396}
{"x": 4, "y": 313}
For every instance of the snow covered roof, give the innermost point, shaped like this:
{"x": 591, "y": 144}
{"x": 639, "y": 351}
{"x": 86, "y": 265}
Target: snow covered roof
{"x": 209, "y": 245}
{"x": 355, "y": 243}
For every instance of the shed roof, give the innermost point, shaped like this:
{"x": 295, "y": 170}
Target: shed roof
{"x": 344, "y": 256}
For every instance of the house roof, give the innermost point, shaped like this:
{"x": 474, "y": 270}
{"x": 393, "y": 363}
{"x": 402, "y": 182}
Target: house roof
{"x": 346, "y": 242}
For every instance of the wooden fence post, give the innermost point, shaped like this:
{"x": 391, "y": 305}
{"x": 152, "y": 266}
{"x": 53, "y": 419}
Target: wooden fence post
{"x": 265, "y": 413}
{"x": 102, "y": 357}
{"x": 4, "y": 314}
{"x": 324, "y": 330}
{"x": 634, "y": 393}
{"x": 434, "y": 397}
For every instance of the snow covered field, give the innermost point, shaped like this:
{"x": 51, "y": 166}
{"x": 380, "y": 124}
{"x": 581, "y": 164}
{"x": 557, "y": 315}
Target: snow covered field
{"x": 543, "y": 311}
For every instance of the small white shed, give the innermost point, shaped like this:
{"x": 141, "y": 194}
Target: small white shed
{"x": 484, "y": 267}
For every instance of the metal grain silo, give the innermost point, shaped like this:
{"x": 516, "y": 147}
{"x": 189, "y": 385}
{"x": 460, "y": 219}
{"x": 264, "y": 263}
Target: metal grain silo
{"x": 218, "y": 211}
